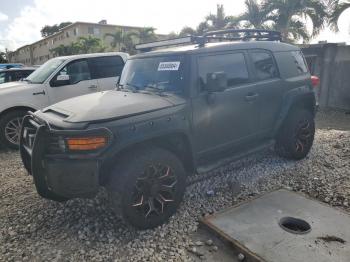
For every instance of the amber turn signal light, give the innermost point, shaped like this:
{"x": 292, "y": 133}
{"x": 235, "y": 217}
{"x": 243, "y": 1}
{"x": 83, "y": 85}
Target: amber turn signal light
{"x": 86, "y": 143}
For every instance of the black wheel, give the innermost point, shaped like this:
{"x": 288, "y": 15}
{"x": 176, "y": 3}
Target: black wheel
{"x": 147, "y": 187}
{"x": 10, "y": 128}
{"x": 296, "y": 136}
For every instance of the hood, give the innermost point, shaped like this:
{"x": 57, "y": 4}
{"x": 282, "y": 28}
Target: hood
{"x": 109, "y": 105}
{"x": 10, "y": 85}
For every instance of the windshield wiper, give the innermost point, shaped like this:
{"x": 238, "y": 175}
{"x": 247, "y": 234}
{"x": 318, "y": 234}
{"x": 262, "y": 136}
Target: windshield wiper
{"x": 134, "y": 88}
{"x": 159, "y": 91}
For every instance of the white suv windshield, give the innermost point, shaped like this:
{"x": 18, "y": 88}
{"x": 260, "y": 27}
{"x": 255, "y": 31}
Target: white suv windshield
{"x": 44, "y": 71}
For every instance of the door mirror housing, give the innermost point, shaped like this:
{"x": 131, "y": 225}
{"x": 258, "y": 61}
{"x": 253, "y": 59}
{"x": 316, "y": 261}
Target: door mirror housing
{"x": 216, "y": 82}
{"x": 61, "y": 80}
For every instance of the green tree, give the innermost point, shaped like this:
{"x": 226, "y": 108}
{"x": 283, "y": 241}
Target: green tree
{"x": 145, "y": 34}
{"x": 48, "y": 30}
{"x": 255, "y": 16}
{"x": 117, "y": 39}
{"x": 289, "y": 17}
{"x": 123, "y": 41}
{"x": 219, "y": 20}
{"x": 187, "y": 31}
{"x": 90, "y": 45}
{"x": 84, "y": 45}
{"x": 337, "y": 9}
{"x": 3, "y": 57}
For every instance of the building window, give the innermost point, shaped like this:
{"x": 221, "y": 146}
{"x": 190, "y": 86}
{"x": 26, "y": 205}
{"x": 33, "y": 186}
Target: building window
{"x": 90, "y": 30}
{"x": 76, "y": 31}
{"x": 67, "y": 34}
{"x": 93, "y": 30}
{"x": 96, "y": 31}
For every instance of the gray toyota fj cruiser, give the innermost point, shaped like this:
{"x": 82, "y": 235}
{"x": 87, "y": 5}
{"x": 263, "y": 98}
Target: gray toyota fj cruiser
{"x": 176, "y": 111}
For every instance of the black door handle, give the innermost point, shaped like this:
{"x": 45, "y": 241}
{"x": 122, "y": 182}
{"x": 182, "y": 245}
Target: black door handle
{"x": 251, "y": 97}
{"x": 39, "y": 93}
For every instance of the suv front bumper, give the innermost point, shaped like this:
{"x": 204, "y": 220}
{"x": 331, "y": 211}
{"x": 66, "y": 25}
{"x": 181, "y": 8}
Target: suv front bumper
{"x": 56, "y": 176}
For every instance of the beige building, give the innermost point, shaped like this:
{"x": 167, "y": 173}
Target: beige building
{"x": 39, "y": 52}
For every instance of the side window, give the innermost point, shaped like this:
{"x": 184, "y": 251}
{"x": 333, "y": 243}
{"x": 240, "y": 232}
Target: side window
{"x": 2, "y": 77}
{"x": 104, "y": 67}
{"x": 234, "y": 65}
{"x": 299, "y": 62}
{"x": 77, "y": 71}
{"x": 17, "y": 75}
{"x": 264, "y": 65}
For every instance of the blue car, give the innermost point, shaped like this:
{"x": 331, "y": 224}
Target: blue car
{"x": 12, "y": 65}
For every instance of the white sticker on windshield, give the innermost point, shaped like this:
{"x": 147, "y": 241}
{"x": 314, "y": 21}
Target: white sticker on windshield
{"x": 169, "y": 66}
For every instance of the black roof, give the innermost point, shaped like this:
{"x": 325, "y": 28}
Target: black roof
{"x": 272, "y": 46}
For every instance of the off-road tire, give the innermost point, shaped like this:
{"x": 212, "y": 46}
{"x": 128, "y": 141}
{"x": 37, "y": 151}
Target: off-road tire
{"x": 125, "y": 177}
{"x": 4, "y": 120}
{"x": 299, "y": 124}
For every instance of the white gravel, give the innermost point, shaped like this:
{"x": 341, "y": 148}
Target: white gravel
{"x": 35, "y": 229}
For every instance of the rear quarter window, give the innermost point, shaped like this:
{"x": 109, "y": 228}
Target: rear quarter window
{"x": 291, "y": 64}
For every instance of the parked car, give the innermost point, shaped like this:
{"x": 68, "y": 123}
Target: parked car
{"x": 10, "y": 65}
{"x": 15, "y": 74}
{"x": 179, "y": 111}
{"x": 58, "y": 79}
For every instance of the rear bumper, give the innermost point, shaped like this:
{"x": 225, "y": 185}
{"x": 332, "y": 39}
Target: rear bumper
{"x": 56, "y": 176}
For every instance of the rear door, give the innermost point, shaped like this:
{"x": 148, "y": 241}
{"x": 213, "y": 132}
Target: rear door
{"x": 106, "y": 70}
{"x": 269, "y": 86}
{"x": 79, "y": 83}
{"x": 224, "y": 119}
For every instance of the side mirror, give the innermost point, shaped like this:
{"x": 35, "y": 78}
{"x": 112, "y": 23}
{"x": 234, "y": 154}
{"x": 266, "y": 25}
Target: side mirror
{"x": 61, "y": 80}
{"x": 216, "y": 82}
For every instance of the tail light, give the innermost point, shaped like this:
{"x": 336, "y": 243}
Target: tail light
{"x": 315, "y": 81}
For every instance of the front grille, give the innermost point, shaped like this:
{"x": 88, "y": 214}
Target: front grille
{"x": 29, "y": 132}
{"x": 56, "y": 145}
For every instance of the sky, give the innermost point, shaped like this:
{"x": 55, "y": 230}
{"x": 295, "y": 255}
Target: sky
{"x": 21, "y": 20}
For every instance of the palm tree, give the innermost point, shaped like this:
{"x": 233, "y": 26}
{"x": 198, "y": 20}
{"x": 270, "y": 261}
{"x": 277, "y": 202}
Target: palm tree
{"x": 219, "y": 20}
{"x": 117, "y": 38}
{"x": 145, "y": 34}
{"x": 338, "y": 8}
{"x": 255, "y": 15}
{"x": 289, "y": 17}
{"x": 90, "y": 45}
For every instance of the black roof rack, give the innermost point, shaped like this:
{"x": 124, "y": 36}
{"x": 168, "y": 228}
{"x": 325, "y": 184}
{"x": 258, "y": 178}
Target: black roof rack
{"x": 215, "y": 36}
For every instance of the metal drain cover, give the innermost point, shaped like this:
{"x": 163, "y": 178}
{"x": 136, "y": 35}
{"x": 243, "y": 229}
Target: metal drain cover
{"x": 284, "y": 226}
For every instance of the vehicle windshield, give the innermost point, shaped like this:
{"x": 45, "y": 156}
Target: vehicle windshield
{"x": 44, "y": 71}
{"x": 154, "y": 74}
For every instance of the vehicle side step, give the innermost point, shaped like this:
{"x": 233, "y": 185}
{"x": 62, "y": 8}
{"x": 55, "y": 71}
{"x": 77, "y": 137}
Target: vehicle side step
{"x": 233, "y": 158}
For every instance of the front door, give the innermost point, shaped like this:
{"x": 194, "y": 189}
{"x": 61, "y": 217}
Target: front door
{"x": 78, "y": 82}
{"x": 224, "y": 119}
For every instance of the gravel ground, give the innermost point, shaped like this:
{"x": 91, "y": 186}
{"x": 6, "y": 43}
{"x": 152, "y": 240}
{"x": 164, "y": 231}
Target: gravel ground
{"x": 35, "y": 229}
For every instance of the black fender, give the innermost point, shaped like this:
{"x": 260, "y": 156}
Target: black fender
{"x": 301, "y": 97}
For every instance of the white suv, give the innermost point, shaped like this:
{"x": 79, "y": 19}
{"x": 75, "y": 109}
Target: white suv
{"x": 56, "y": 80}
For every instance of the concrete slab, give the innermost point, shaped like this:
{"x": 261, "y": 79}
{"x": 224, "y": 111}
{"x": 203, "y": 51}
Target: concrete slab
{"x": 253, "y": 229}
